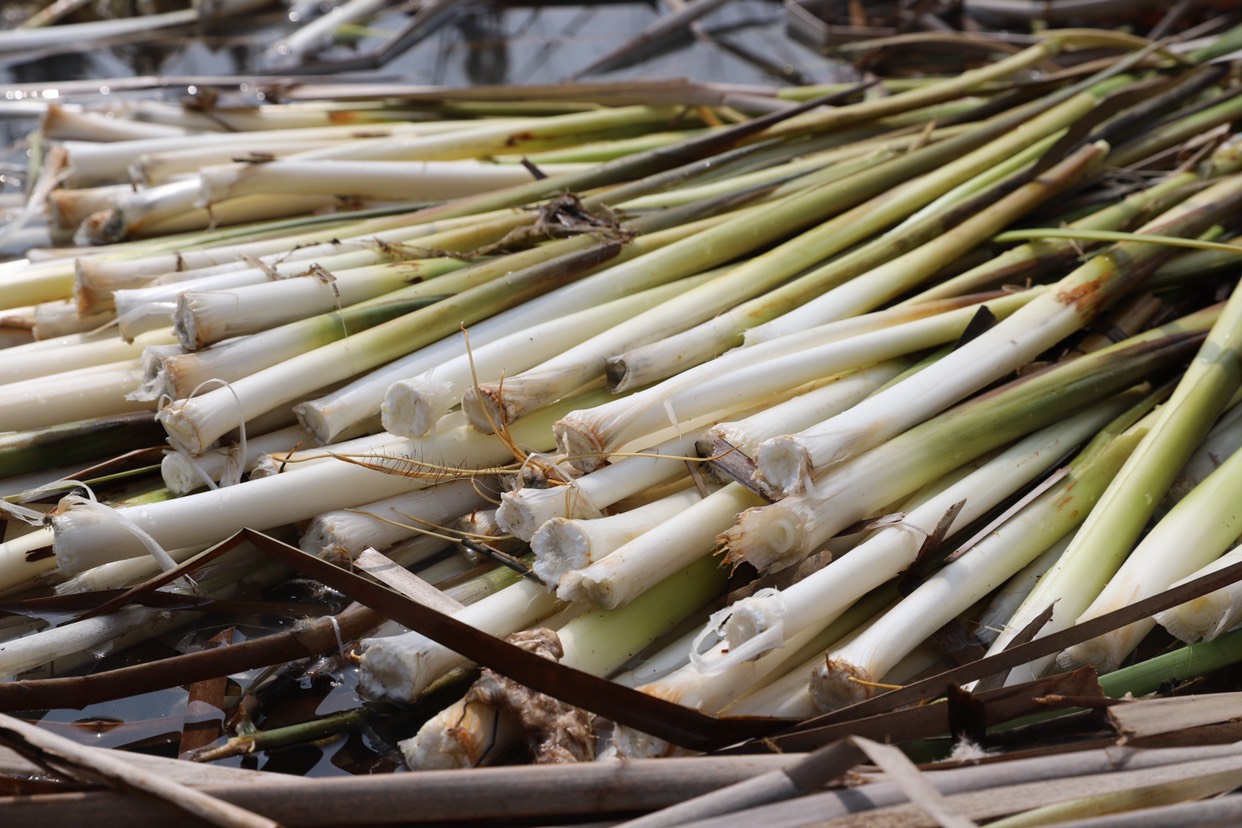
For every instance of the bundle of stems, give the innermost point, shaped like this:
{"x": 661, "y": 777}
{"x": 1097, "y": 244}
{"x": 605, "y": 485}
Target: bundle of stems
{"x": 761, "y": 273}
{"x": 776, "y": 535}
{"x": 1204, "y": 390}
{"x": 1013, "y": 342}
{"x": 84, "y": 538}
{"x": 748, "y": 375}
{"x": 1108, "y": 537}
{"x": 848, "y": 673}
{"x": 640, "y": 365}
{"x": 788, "y": 314}
{"x": 759, "y": 623}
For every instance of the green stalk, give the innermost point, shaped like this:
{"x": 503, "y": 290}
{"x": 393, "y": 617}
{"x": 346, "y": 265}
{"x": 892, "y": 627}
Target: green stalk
{"x": 1200, "y": 659}
{"x": 956, "y": 238}
{"x": 508, "y": 137}
{"x": 1200, "y": 527}
{"x": 1195, "y": 264}
{"x": 75, "y": 442}
{"x": 420, "y": 181}
{"x": 650, "y": 363}
{"x": 1184, "y": 129}
{"x": 954, "y": 163}
{"x": 206, "y": 317}
{"x": 275, "y": 738}
{"x": 932, "y": 93}
{"x": 1207, "y": 616}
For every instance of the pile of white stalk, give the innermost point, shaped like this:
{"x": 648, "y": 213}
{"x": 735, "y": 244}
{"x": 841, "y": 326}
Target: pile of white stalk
{"x": 640, "y": 349}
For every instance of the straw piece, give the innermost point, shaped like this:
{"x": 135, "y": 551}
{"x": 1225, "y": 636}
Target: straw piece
{"x": 503, "y": 793}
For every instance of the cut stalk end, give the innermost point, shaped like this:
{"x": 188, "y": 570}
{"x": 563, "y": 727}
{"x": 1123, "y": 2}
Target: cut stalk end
{"x": 783, "y": 465}
{"x": 487, "y": 408}
{"x": 523, "y": 511}
{"x": 767, "y": 539}
{"x": 560, "y": 545}
{"x": 582, "y": 447}
{"x": 412, "y": 407}
{"x": 836, "y": 684}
